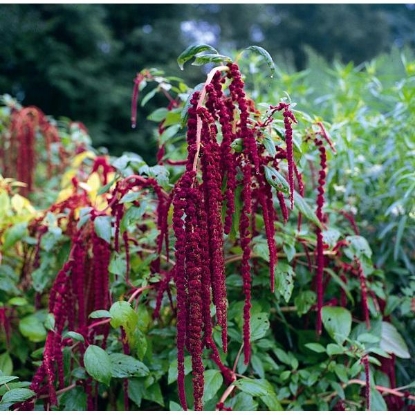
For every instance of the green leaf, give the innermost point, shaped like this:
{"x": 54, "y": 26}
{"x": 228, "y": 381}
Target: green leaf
{"x": 32, "y": 328}
{"x": 131, "y": 197}
{"x": 243, "y": 402}
{"x": 17, "y": 395}
{"x": 98, "y": 364}
{"x": 392, "y": 342}
{"x": 135, "y": 390}
{"x": 138, "y": 342}
{"x": 315, "y": 347}
{"x": 100, "y": 314}
{"x": 123, "y": 366}
{"x": 104, "y": 189}
{"x": 213, "y": 382}
{"x": 272, "y": 402}
{"x": 123, "y": 314}
{"x": 305, "y": 209}
{"x": 210, "y": 58}
{"x": 148, "y": 96}
{"x": 14, "y": 234}
{"x": 153, "y": 394}
{"x": 304, "y": 301}
{"x": 333, "y": 349}
{"x": 17, "y": 301}
{"x": 269, "y": 144}
{"x": 102, "y": 226}
{"x": 338, "y": 323}
{"x": 265, "y": 55}
{"x": 254, "y": 387}
{"x": 75, "y": 336}
{"x": 284, "y": 280}
{"x": 7, "y": 379}
{"x": 276, "y": 179}
{"x": 330, "y": 237}
{"x": 259, "y": 325}
{"x": 169, "y": 133}
{"x": 158, "y": 115}
{"x": 6, "y": 364}
{"x": 192, "y": 51}
{"x": 358, "y": 246}
{"x": 74, "y": 400}
{"x": 377, "y": 403}
{"x": 173, "y": 372}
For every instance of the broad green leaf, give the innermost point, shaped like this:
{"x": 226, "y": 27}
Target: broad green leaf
{"x": 358, "y": 246}
{"x": 330, "y": 237}
{"x": 104, "y": 189}
{"x": 173, "y": 373}
{"x": 32, "y": 328}
{"x": 276, "y": 179}
{"x": 213, "y": 382}
{"x": 17, "y": 301}
{"x": 74, "y": 400}
{"x": 123, "y": 366}
{"x": 74, "y": 335}
{"x": 316, "y": 347}
{"x": 131, "y": 197}
{"x": 259, "y": 325}
{"x": 269, "y": 144}
{"x": 98, "y": 364}
{"x": 272, "y": 402}
{"x": 153, "y": 394}
{"x": 210, "y": 58}
{"x": 305, "y": 209}
{"x": 377, "y": 403}
{"x": 284, "y": 280}
{"x": 392, "y": 342}
{"x": 149, "y": 95}
{"x": 102, "y": 226}
{"x": 118, "y": 265}
{"x": 192, "y": 51}
{"x": 158, "y": 115}
{"x": 174, "y": 406}
{"x": 368, "y": 338}
{"x": 304, "y": 301}
{"x": 14, "y": 234}
{"x": 7, "y": 379}
{"x": 123, "y": 314}
{"x": 100, "y": 314}
{"x": 138, "y": 342}
{"x": 169, "y": 133}
{"x": 135, "y": 390}
{"x": 254, "y": 387}
{"x": 17, "y": 395}
{"x": 333, "y": 349}
{"x": 243, "y": 402}
{"x": 338, "y": 323}
{"x": 265, "y": 55}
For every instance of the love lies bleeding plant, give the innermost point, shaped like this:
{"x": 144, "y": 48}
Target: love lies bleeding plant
{"x": 219, "y": 277}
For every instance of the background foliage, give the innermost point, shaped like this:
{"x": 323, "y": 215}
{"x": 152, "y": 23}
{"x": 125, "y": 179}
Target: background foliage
{"x": 78, "y": 61}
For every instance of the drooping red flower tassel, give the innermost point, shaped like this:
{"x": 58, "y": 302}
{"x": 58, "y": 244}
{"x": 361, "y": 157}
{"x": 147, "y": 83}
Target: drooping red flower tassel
{"x": 245, "y": 240}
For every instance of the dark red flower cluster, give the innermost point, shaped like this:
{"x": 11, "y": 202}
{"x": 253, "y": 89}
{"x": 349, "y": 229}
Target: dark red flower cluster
{"x": 204, "y": 207}
{"x": 18, "y": 152}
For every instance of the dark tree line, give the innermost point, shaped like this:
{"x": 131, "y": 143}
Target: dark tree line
{"x": 79, "y": 60}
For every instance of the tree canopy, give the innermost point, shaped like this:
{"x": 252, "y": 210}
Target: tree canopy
{"x": 80, "y": 60}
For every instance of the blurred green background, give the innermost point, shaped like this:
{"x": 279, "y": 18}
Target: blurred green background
{"x": 79, "y": 61}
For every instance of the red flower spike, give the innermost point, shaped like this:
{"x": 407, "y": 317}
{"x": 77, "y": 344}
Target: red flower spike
{"x": 319, "y": 234}
{"x": 363, "y": 291}
{"x": 289, "y": 118}
{"x": 179, "y": 206}
{"x": 195, "y": 306}
{"x": 245, "y": 240}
